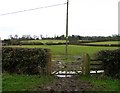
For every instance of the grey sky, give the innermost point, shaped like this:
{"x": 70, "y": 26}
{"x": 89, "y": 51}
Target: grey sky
{"x": 86, "y": 17}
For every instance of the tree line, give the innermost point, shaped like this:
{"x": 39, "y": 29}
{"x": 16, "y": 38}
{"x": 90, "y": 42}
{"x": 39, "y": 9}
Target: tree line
{"x": 62, "y": 37}
{"x": 72, "y": 38}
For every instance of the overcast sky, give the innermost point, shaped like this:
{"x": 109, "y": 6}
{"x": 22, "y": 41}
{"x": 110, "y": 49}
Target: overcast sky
{"x": 86, "y": 17}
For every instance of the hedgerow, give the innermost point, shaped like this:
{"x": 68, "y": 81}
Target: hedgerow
{"x": 110, "y": 62}
{"x": 25, "y": 60}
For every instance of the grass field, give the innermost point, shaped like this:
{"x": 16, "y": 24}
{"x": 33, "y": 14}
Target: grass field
{"x": 45, "y": 41}
{"x": 106, "y": 42}
{"x": 72, "y": 49}
{"x": 63, "y": 41}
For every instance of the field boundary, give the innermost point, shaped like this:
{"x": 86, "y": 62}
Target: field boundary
{"x": 102, "y": 45}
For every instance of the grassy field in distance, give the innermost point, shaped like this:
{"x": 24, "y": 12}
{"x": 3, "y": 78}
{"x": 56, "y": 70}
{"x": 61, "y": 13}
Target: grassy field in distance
{"x": 106, "y": 42}
{"x": 46, "y": 41}
{"x": 72, "y": 49}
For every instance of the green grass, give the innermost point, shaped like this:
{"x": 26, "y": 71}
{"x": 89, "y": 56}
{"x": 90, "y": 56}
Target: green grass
{"x": 45, "y": 41}
{"x": 106, "y": 42}
{"x": 72, "y": 49}
{"x": 14, "y": 82}
{"x": 63, "y": 41}
{"x": 104, "y": 84}
{"x": 23, "y": 82}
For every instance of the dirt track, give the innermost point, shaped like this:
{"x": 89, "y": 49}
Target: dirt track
{"x": 67, "y": 85}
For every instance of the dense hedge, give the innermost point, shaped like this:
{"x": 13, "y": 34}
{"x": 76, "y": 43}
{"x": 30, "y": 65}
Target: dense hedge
{"x": 111, "y": 62}
{"x": 25, "y": 60}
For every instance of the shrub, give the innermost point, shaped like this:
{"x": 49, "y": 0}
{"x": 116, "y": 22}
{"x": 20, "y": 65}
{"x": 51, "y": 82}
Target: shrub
{"x": 111, "y": 62}
{"x": 25, "y": 60}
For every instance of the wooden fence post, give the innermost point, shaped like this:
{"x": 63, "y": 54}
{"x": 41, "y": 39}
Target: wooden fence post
{"x": 86, "y": 65}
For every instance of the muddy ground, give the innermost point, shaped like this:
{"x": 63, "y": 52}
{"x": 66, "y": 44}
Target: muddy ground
{"x": 66, "y": 85}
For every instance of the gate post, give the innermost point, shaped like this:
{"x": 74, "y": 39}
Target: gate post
{"x": 86, "y": 65}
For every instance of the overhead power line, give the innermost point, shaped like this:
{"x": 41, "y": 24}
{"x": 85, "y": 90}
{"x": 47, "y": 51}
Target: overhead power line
{"x": 31, "y": 9}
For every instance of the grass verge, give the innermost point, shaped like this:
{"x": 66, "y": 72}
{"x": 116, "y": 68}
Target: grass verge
{"x": 104, "y": 84}
{"x": 14, "y": 82}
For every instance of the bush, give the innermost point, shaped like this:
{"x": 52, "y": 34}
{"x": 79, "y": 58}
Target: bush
{"x": 111, "y": 62}
{"x": 25, "y": 60}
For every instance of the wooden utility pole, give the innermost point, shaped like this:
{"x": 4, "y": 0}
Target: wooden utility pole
{"x": 66, "y": 36}
{"x": 67, "y": 28}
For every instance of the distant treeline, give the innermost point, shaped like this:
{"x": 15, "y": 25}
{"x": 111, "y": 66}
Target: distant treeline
{"x": 72, "y": 39}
